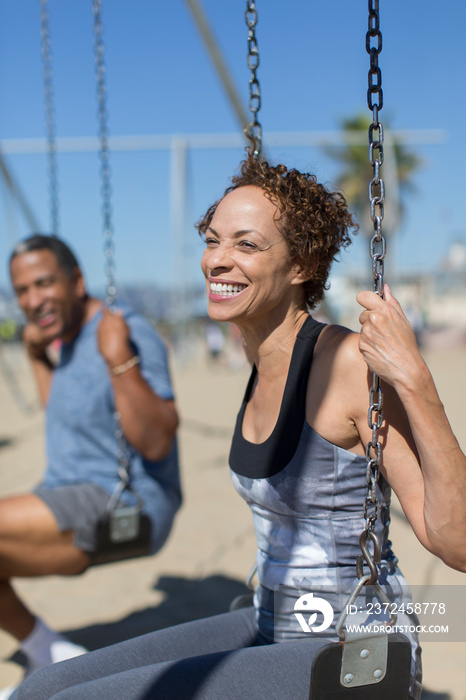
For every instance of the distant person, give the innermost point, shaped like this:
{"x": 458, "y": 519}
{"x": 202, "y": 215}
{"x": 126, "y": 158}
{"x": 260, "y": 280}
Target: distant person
{"x": 107, "y": 362}
{"x": 297, "y": 458}
{"x": 215, "y": 340}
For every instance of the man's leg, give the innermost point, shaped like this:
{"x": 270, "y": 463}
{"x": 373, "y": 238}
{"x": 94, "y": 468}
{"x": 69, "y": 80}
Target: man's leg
{"x": 31, "y": 545}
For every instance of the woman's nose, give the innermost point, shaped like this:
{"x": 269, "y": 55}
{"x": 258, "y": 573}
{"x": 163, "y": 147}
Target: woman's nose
{"x": 218, "y": 257}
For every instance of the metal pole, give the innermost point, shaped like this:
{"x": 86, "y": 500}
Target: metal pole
{"x": 217, "y": 58}
{"x": 178, "y": 225}
{"x": 16, "y": 192}
{"x": 212, "y": 141}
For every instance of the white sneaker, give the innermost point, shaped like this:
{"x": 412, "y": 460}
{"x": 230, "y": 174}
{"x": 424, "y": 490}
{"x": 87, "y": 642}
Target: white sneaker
{"x": 63, "y": 649}
{"x": 9, "y": 693}
{"x": 60, "y": 651}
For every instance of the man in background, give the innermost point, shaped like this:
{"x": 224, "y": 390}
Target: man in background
{"x": 108, "y": 362}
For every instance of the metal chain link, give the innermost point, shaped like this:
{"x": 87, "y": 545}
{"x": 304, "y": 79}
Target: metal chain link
{"x": 123, "y": 457}
{"x": 254, "y": 129}
{"x": 377, "y": 253}
{"x": 104, "y": 154}
{"x": 375, "y": 75}
{"x": 49, "y": 118}
{"x": 106, "y": 194}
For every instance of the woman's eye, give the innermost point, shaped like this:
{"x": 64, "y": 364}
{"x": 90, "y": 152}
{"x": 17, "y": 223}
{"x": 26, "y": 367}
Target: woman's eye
{"x": 248, "y": 245}
{"x": 210, "y": 242}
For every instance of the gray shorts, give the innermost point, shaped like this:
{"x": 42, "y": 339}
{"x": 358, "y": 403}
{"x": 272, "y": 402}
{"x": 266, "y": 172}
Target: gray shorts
{"x": 76, "y": 507}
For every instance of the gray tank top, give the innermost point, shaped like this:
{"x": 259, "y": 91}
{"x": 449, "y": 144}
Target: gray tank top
{"x": 306, "y": 497}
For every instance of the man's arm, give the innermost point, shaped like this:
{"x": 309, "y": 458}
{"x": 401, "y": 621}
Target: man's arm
{"x": 148, "y": 421}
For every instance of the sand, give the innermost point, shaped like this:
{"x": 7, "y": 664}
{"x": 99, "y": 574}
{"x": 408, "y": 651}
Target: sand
{"x": 212, "y": 546}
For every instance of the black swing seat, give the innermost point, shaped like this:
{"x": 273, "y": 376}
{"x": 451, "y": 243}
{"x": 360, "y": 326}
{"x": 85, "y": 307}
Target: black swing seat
{"x": 328, "y": 675}
{"x": 125, "y": 537}
{"x": 125, "y": 530}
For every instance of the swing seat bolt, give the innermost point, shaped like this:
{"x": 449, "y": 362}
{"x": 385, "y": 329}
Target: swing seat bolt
{"x": 349, "y": 678}
{"x": 364, "y": 653}
{"x": 378, "y": 673}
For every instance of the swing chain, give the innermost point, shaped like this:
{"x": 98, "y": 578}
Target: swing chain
{"x": 253, "y": 130}
{"x": 104, "y": 154}
{"x": 377, "y": 254}
{"x": 123, "y": 456}
{"x": 375, "y": 75}
{"x": 49, "y": 117}
{"x": 106, "y": 194}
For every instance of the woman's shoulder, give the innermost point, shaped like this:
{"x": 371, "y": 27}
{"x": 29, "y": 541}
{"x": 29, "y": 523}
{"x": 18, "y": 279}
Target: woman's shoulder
{"x": 341, "y": 354}
{"x": 339, "y": 344}
{"x": 338, "y": 387}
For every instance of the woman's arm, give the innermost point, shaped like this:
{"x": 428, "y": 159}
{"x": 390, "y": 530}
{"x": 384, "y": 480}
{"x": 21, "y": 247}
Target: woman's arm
{"x": 421, "y": 457}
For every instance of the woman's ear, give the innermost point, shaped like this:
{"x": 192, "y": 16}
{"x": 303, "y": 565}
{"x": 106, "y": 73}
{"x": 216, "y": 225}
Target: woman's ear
{"x": 300, "y": 274}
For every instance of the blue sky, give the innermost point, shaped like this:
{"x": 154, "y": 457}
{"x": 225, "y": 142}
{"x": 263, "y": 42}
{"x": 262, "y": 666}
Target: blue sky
{"x": 313, "y": 73}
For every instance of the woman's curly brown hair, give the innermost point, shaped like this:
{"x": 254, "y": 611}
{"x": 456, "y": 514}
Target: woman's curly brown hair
{"x": 313, "y": 221}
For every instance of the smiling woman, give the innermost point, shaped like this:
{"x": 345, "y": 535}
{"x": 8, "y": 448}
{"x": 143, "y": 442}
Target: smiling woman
{"x": 298, "y": 458}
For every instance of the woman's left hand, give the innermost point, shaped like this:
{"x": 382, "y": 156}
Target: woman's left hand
{"x": 387, "y": 341}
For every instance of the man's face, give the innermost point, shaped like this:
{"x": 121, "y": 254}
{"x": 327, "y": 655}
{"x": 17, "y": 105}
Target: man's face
{"x": 50, "y": 299}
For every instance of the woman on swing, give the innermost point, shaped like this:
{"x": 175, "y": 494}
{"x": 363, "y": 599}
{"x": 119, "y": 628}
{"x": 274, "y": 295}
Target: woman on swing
{"x": 297, "y": 456}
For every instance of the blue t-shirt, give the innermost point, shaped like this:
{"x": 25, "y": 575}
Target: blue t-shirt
{"x": 81, "y": 445}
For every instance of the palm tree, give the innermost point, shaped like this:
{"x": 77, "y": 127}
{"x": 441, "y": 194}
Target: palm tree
{"x": 397, "y": 172}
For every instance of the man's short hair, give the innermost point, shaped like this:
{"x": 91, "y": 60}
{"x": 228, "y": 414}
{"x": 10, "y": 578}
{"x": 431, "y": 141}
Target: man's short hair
{"x": 37, "y": 241}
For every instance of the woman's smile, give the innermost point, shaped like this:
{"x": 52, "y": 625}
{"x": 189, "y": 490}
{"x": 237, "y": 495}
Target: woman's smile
{"x": 225, "y": 290}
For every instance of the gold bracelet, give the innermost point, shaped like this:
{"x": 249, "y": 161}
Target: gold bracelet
{"x": 120, "y": 369}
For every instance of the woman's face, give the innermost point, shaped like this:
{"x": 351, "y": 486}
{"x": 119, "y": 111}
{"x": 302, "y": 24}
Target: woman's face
{"x": 246, "y": 260}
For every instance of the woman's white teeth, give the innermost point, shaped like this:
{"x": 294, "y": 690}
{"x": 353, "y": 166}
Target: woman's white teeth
{"x": 226, "y": 289}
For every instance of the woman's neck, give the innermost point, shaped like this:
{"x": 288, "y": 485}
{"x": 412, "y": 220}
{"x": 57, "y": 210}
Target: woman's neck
{"x": 269, "y": 344}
